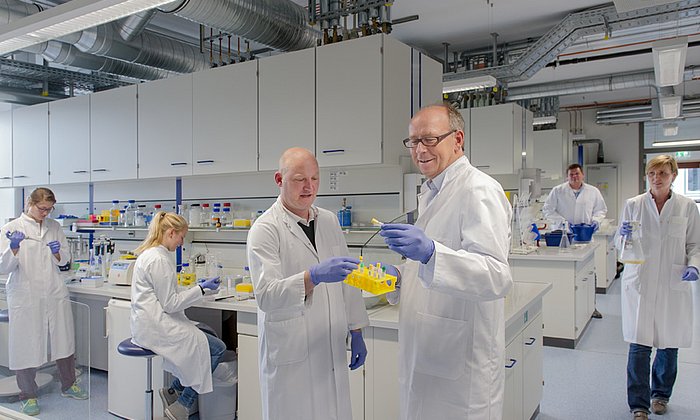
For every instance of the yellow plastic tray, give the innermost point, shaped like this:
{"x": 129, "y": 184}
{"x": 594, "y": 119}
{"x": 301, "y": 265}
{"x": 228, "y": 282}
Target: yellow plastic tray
{"x": 362, "y": 279}
{"x": 188, "y": 279}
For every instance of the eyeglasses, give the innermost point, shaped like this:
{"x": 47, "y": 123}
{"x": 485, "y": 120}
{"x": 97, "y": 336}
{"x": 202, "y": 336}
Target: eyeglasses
{"x": 45, "y": 210}
{"x": 426, "y": 141}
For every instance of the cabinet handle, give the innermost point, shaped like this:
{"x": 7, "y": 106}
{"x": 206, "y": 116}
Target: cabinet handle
{"x": 204, "y": 162}
{"x": 584, "y": 279}
{"x": 531, "y": 342}
{"x": 106, "y": 334}
{"x": 178, "y": 163}
{"x": 591, "y": 272}
{"x": 6, "y": 177}
{"x": 334, "y": 151}
{"x": 512, "y": 363}
{"x": 99, "y": 170}
{"x": 80, "y": 172}
{"x": 483, "y": 166}
{"x": 20, "y": 176}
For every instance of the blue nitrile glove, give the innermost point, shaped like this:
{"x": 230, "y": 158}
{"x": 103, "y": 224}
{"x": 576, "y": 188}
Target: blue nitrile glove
{"x": 595, "y": 226}
{"x": 358, "y": 350}
{"x": 55, "y": 246}
{"x": 332, "y": 270}
{"x": 691, "y": 274}
{"x": 408, "y": 240}
{"x": 626, "y": 229}
{"x": 211, "y": 284}
{"x": 15, "y": 238}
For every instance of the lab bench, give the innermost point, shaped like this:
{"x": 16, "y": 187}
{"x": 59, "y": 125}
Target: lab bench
{"x": 567, "y": 309}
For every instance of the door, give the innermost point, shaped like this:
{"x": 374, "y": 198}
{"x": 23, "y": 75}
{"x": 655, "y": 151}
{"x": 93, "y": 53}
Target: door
{"x": 69, "y": 140}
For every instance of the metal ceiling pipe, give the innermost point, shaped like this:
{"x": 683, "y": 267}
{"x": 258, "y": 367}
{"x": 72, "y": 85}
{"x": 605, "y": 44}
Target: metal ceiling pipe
{"x": 280, "y": 24}
{"x": 11, "y": 10}
{"x": 132, "y": 26}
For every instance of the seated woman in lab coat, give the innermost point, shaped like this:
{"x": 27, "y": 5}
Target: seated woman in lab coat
{"x": 158, "y": 320}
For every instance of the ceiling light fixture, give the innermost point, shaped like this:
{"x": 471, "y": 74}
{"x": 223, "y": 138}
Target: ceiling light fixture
{"x": 669, "y": 60}
{"x": 676, "y": 143}
{"x": 670, "y": 129}
{"x": 67, "y": 18}
{"x": 548, "y": 119}
{"x": 670, "y": 106}
{"x": 472, "y": 83}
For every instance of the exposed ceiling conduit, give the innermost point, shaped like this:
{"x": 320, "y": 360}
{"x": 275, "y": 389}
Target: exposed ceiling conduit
{"x": 575, "y": 26}
{"x": 626, "y": 115}
{"x": 132, "y": 26}
{"x": 590, "y": 85}
{"x": 280, "y": 24}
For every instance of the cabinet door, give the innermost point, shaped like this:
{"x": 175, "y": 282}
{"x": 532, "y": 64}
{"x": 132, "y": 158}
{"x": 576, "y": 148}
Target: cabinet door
{"x": 30, "y": 145}
{"x": 6, "y": 149}
{"x": 381, "y": 374}
{"x": 513, "y": 396}
{"x": 532, "y": 366}
{"x": 466, "y": 115}
{"x": 165, "y": 127}
{"x": 357, "y": 391}
{"x": 349, "y": 102}
{"x": 69, "y": 140}
{"x": 581, "y": 304}
{"x": 496, "y": 146}
{"x": 287, "y": 119}
{"x": 113, "y": 134}
{"x": 225, "y": 113}
{"x": 249, "y": 400}
{"x": 551, "y": 153}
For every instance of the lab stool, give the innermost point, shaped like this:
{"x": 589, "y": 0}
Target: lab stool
{"x": 127, "y": 348}
{"x": 8, "y": 385}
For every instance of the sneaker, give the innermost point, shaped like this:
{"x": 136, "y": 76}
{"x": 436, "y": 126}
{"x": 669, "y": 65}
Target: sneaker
{"x": 30, "y": 407}
{"x": 640, "y": 415}
{"x": 168, "y": 396}
{"x": 75, "y": 392}
{"x": 177, "y": 411}
{"x": 596, "y": 314}
{"x": 659, "y": 406}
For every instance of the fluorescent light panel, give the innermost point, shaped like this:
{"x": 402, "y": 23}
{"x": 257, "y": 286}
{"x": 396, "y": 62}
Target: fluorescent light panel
{"x": 676, "y": 143}
{"x": 472, "y": 83}
{"x": 549, "y": 119}
{"x": 669, "y": 60}
{"x": 670, "y": 129}
{"x": 670, "y": 106}
{"x": 67, "y": 18}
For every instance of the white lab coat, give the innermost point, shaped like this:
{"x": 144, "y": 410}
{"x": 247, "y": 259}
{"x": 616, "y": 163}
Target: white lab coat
{"x": 303, "y": 356}
{"x": 562, "y": 204}
{"x": 41, "y": 319}
{"x": 451, "y": 321}
{"x": 657, "y": 306}
{"x": 159, "y": 323}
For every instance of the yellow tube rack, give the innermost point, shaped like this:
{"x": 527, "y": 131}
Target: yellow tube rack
{"x": 371, "y": 279}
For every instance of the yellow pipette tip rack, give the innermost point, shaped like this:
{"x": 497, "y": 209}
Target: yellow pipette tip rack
{"x": 372, "y": 279}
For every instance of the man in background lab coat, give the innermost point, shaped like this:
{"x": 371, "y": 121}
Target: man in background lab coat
{"x": 451, "y": 321}
{"x": 575, "y": 202}
{"x": 296, "y": 252}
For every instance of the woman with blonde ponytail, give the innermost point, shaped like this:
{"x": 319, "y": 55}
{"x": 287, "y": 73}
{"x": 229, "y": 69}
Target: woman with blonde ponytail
{"x": 158, "y": 320}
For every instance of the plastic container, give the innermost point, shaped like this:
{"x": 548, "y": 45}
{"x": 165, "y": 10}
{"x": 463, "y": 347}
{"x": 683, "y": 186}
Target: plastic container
{"x": 220, "y": 404}
{"x": 205, "y": 217}
{"x": 114, "y": 213}
{"x": 130, "y": 213}
{"x": 553, "y": 238}
{"x": 140, "y": 216}
{"x": 583, "y": 232}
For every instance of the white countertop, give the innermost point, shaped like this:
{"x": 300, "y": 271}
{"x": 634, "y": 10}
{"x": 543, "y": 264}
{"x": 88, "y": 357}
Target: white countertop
{"x": 579, "y": 252}
{"x": 521, "y": 296}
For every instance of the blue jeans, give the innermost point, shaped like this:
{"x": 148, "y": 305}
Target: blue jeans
{"x": 663, "y": 376}
{"x": 189, "y": 395}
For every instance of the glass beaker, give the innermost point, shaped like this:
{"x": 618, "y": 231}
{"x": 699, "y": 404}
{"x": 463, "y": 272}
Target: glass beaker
{"x": 631, "y": 252}
{"x": 564, "y": 244}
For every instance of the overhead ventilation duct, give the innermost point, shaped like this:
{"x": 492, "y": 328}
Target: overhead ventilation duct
{"x": 640, "y": 113}
{"x": 132, "y": 26}
{"x": 280, "y": 24}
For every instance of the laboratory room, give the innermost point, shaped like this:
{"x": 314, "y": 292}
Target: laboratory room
{"x": 349, "y": 210}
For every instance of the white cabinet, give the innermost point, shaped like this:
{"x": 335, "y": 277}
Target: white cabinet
{"x": 551, "y": 153}
{"x": 466, "y": 115}
{"x": 98, "y": 348}
{"x": 69, "y": 140}
{"x": 224, "y": 120}
{"x": 381, "y": 373}
{"x": 113, "y": 134}
{"x": 288, "y": 119}
{"x": 605, "y": 261}
{"x": 532, "y": 366}
{"x": 6, "y": 149}
{"x": 363, "y": 101}
{"x": 165, "y": 127}
{"x": 249, "y": 400}
{"x": 30, "y": 145}
{"x": 498, "y": 133}
{"x": 513, "y": 393}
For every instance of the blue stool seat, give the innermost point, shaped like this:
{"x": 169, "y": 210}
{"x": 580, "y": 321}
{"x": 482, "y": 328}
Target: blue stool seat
{"x": 128, "y": 348}
{"x": 4, "y": 315}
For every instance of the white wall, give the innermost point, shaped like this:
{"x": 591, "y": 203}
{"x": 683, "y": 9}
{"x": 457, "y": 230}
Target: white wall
{"x": 620, "y": 145}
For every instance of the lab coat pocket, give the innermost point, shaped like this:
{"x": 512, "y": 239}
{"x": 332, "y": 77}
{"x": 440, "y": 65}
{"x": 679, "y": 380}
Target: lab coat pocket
{"x": 677, "y": 226}
{"x": 676, "y": 282}
{"x": 286, "y": 341}
{"x": 441, "y": 346}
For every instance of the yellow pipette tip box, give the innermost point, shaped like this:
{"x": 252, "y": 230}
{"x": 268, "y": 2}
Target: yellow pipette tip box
{"x": 371, "y": 279}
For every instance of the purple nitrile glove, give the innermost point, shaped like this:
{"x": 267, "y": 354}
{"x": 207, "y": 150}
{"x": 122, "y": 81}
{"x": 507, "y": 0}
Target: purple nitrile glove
{"x": 211, "y": 284}
{"x": 332, "y": 270}
{"x": 408, "y": 240}
{"x": 691, "y": 274}
{"x": 55, "y": 246}
{"x": 358, "y": 350}
{"x": 626, "y": 229}
{"x": 15, "y": 238}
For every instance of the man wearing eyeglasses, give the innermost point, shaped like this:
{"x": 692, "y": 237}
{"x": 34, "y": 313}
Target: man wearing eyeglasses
{"x": 451, "y": 323}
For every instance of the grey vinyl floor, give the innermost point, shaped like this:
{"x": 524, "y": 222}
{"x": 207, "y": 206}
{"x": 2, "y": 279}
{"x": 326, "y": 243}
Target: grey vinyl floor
{"x": 585, "y": 383}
